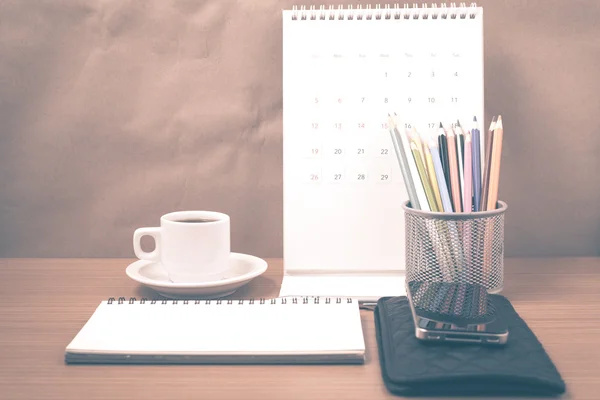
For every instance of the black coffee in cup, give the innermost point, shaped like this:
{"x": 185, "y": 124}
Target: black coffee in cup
{"x": 196, "y": 220}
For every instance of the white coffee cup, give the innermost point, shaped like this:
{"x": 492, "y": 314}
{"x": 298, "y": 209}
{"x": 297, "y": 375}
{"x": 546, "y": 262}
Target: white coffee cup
{"x": 192, "y": 246}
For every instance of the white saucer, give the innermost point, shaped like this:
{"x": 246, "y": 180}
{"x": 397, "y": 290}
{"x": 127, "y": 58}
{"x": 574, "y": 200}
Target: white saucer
{"x": 243, "y": 268}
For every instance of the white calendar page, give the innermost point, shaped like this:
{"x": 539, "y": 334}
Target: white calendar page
{"x": 343, "y": 188}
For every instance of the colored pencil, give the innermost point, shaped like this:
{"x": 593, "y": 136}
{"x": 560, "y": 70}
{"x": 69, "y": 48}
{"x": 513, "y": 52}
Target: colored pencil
{"x": 412, "y": 167}
{"x": 440, "y": 139}
{"x": 495, "y": 164}
{"x": 423, "y": 175}
{"x": 482, "y": 148}
{"x": 485, "y": 184}
{"x": 443, "y": 145}
{"x": 467, "y": 188}
{"x": 476, "y": 155}
{"x": 439, "y": 172}
{"x": 467, "y": 231}
{"x": 441, "y": 245}
{"x": 403, "y": 163}
{"x": 453, "y": 161}
{"x": 450, "y": 255}
{"x": 416, "y": 137}
{"x": 432, "y": 176}
{"x": 460, "y": 156}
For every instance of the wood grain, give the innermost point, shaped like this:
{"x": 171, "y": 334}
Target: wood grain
{"x": 44, "y": 303}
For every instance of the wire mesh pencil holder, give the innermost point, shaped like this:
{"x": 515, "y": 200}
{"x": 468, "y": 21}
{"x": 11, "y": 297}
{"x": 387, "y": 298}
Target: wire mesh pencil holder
{"x": 456, "y": 247}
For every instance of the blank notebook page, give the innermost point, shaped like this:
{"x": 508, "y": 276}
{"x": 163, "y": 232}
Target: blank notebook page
{"x": 278, "y": 327}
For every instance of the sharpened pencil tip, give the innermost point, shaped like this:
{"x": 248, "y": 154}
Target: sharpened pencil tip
{"x": 457, "y": 123}
{"x": 492, "y": 124}
{"x": 499, "y": 122}
{"x": 475, "y": 119}
{"x": 441, "y": 126}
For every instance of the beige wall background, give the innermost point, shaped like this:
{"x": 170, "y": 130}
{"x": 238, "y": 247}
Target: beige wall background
{"x": 113, "y": 112}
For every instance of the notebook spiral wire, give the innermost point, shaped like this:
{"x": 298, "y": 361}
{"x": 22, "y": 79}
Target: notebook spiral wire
{"x": 443, "y": 11}
{"x": 282, "y": 300}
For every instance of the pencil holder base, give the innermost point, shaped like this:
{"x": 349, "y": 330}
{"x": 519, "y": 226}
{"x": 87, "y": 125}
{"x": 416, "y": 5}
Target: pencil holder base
{"x": 496, "y": 290}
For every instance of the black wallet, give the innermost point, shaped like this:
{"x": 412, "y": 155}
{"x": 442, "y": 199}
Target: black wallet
{"x": 411, "y": 367}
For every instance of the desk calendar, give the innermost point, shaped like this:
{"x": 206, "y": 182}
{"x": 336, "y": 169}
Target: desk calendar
{"x": 344, "y": 70}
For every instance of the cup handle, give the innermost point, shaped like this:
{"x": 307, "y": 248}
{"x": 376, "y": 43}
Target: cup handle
{"x": 154, "y": 255}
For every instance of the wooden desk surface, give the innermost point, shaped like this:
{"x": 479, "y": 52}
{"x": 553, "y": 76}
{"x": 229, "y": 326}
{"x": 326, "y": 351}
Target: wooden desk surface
{"x": 44, "y": 303}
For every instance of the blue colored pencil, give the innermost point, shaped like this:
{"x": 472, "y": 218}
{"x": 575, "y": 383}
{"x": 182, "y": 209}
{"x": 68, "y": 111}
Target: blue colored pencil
{"x": 476, "y": 156}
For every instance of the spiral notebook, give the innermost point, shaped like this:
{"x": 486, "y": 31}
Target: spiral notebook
{"x": 344, "y": 70}
{"x": 283, "y": 330}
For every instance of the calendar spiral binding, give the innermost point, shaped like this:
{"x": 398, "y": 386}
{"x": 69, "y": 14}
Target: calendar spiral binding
{"x": 281, "y": 300}
{"x": 443, "y": 11}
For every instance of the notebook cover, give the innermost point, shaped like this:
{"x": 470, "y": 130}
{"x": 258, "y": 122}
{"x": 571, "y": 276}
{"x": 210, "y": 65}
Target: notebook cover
{"x": 411, "y": 367}
{"x": 298, "y": 330}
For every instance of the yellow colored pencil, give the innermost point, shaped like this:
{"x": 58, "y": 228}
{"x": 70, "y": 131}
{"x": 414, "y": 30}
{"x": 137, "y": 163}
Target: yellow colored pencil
{"x": 453, "y": 162}
{"x": 414, "y": 134}
{"x": 432, "y": 178}
{"x": 423, "y": 175}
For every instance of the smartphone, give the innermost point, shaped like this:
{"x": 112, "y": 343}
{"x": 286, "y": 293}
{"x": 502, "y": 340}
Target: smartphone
{"x": 454, "y": 312}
